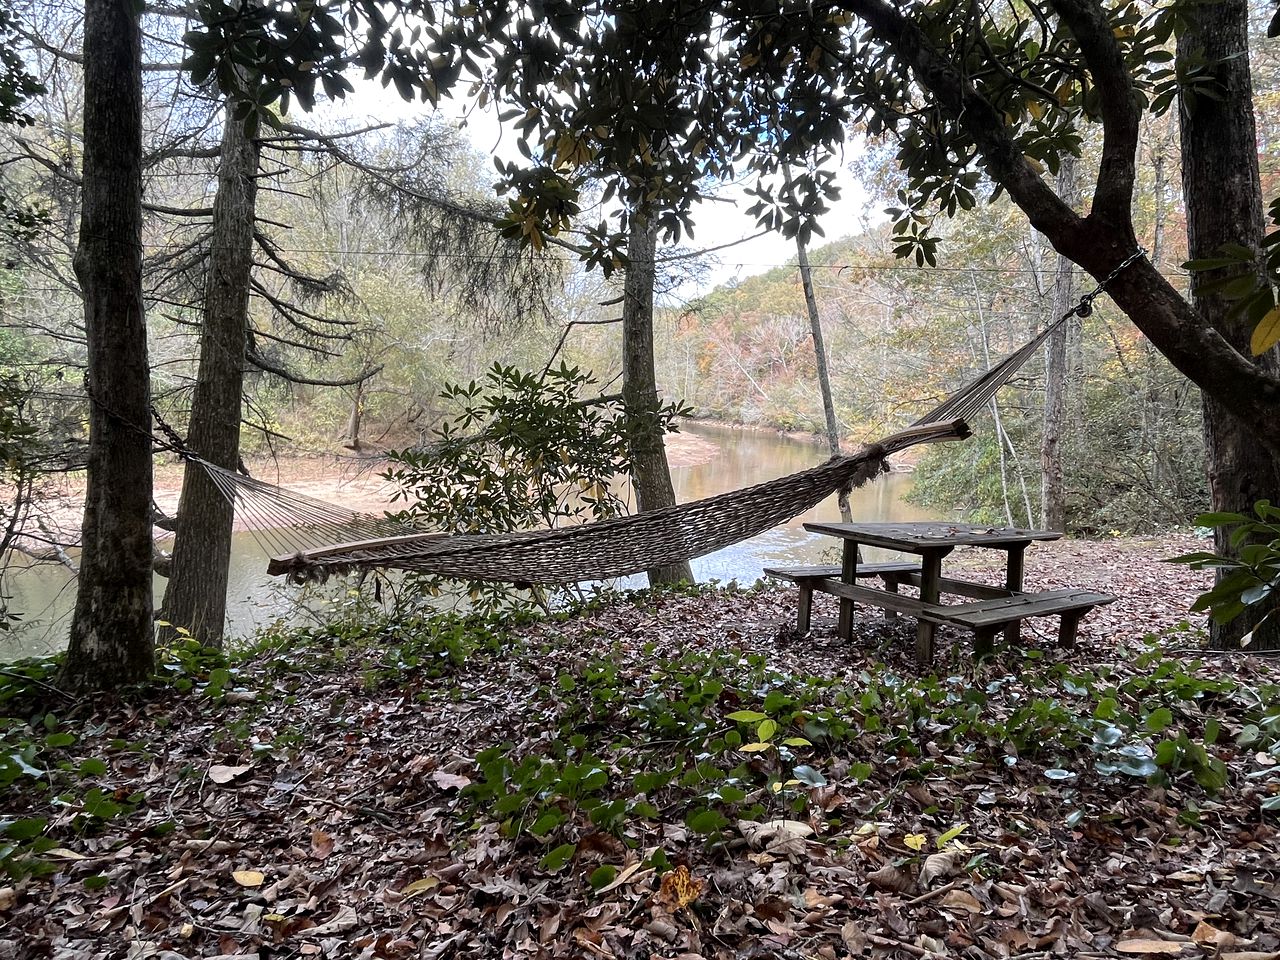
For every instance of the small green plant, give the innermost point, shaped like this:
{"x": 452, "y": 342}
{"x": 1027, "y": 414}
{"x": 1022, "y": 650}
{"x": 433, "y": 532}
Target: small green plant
{"x": 1251, "y": 578}
{"x": 522, "y": 451}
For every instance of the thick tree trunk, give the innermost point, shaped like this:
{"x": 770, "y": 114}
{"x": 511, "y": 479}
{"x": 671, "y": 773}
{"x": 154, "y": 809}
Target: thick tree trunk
{"x": 1223, "y": 194}
{"x": 650, "y": 471}
{"x": 196, "y": 598}
{"x": 112, "y": 639}
{"x": 1052, "y": 492}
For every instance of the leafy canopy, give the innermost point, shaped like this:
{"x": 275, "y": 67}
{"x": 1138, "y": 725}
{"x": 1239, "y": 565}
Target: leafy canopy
{"x": 662, "y": 98}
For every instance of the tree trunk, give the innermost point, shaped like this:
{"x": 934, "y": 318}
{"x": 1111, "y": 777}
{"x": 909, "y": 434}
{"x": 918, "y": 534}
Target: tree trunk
{"x": 1052, "y": 494}
{"x": 820, "y": 361}
{"x": 351, "y": 436}
{"x": 112, "y": 640}
{"x": 649, "y": 468}
{"x": 196, "y": 598}
{"x": 1223, "y": 194}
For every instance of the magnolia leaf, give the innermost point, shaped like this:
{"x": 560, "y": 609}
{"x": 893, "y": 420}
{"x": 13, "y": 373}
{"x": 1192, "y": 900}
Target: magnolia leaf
{"x": 1267, "y": 333}
{"x": 754, "y": 747}
{"x": 746, "y": 716}
{"x": 915, "y": 841}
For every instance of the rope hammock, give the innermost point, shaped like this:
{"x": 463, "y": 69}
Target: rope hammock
{"x": 310, "y": 538}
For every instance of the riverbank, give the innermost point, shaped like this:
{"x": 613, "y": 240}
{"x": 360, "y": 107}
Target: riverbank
{"x": 673, "y": 775}
{"x": 350, "y": 481}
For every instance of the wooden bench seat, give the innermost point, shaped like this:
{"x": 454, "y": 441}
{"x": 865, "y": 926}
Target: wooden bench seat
{"x": 997, "y": 609}
{"x": 809, "y": 578}
{"x": 986, "y": 617}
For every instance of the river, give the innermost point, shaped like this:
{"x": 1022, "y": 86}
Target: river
{"x": 738, "y": 457}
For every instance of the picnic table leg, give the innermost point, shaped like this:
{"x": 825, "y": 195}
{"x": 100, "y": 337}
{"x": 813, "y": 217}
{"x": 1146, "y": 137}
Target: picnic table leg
{"x": 982, "y": 641}
{"x": 848, "y": 574}
{"x": 804, "y": 609}
{"x": 1067, "y": 627}
{"x": 930, "y": 574}
{"x": 1013, "y": 582}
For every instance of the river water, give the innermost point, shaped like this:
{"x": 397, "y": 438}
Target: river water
{"x": 44, "y": 594}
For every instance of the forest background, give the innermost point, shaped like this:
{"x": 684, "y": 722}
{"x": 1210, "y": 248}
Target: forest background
{"x": 378, "y": 279}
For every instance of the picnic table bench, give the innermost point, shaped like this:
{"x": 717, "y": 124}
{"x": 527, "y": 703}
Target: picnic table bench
{"x": 992, "y": 608}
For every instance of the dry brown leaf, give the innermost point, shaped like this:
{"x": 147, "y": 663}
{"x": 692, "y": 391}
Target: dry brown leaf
{"x": 220, "y": 773}
{"x": 628, "y": 874}
{"x": 249, "y": 878}
{"x": 8, "y": 897}
{"x": 679, "y": 888}
{"x": 774, "y": 835}
{"x": 450, "y": 781}
{"x": 962, "y": 900}
{"x": 853, "y": 938}
{"x": 891, "y": 879}
{"x": 344, "y": 919}
{"x": 938, "y": 866}
{"x": 419, "y": 886}
{"x": 1149, "y": 946}
{"x": 1206, "y": 934}
{"x": 321, "y": 844}
{"x": 1251, "y": 955}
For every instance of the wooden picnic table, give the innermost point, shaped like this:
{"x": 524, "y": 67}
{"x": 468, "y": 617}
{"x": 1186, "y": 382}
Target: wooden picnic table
{"x": 932, "y": 541}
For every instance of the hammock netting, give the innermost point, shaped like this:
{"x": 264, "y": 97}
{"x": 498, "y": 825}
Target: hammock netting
{"x": 311, "y": 538}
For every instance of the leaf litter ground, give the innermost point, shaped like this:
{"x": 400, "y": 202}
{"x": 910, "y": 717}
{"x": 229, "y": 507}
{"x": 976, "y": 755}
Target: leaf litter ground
{"x": 682, "y": 776}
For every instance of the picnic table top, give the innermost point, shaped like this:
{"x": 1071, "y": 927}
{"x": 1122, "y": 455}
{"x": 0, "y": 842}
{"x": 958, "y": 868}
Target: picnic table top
{"x": 917, "y": 537}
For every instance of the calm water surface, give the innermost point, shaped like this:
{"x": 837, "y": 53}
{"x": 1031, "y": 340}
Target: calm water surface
{"x": 44, "y": 594}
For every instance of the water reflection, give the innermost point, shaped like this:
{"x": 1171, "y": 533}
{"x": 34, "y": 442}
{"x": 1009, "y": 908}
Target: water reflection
{"x": 44, "y": 594}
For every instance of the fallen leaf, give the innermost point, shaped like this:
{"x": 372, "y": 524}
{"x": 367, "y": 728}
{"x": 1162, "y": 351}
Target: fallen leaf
{"x": 1206, "y": 934}
{"x": 249, "y": 878}
{"x": 419, "y": 886}
{"x": 628, "y": 874}
{"x": 679, "y": 888}
{"x": 962, "y": 900}
{"x": 1149, "y": 946}
{"x": 938, "y": 866}
{"x": 8, "y": 897}
{"x": 344, "y": 919}
{"x": 219, "y": 773}
{"x": 321, "y": 844}
{"x": 774, "y": 834}
{"x": 450, "y": 781}
{"x": 1251, "y": 955}
{"x": 62, "y": 853}
{"x": 891, "y": 879}
{"x": 915, "y": 841}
